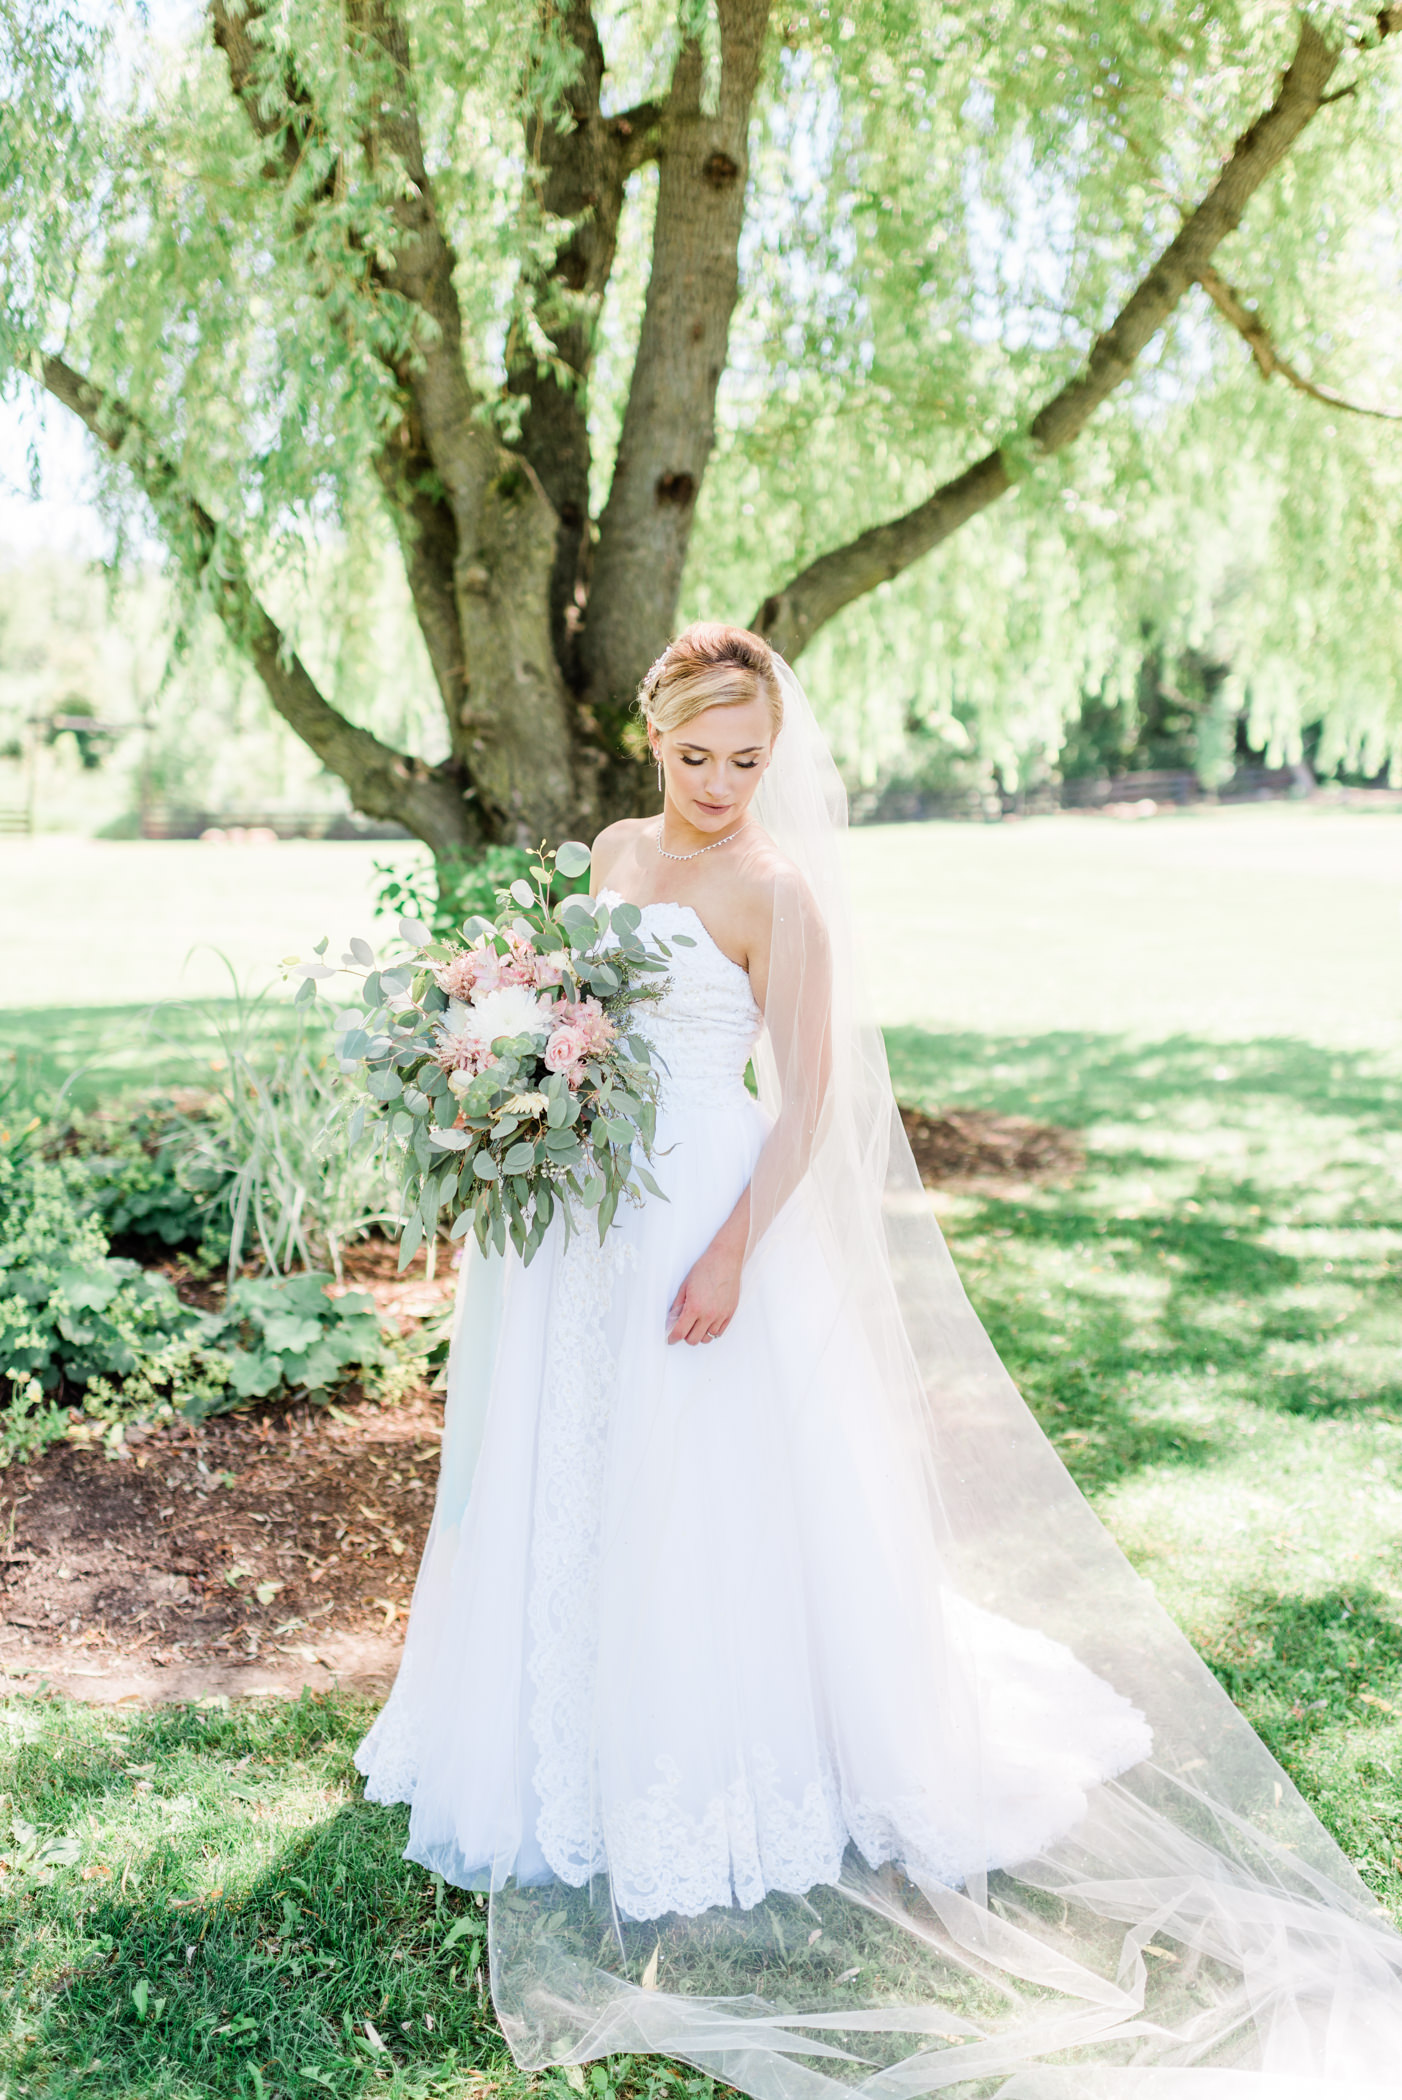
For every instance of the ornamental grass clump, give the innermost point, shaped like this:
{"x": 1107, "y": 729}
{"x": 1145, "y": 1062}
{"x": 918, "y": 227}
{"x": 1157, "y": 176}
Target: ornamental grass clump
{"x": 502, "y": 1068}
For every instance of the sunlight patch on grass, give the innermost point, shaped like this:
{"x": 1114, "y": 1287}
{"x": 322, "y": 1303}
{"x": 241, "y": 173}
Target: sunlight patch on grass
{"x": 1208, "y": 1325}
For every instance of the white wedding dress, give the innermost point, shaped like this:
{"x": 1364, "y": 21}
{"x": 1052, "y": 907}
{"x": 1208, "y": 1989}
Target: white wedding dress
{"x": 659, "y": 1631}
{"x": 797, "y": 1712}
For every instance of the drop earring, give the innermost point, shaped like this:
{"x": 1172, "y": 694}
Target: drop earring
{"x": 661, "y": 783}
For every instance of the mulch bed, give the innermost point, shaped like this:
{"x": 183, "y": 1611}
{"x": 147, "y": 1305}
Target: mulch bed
{"x": 249, "y": 1539}
{"x": 973, "y": 1147}
{"x": 145, "y": 1570}
{"x": 277, "y": 1547}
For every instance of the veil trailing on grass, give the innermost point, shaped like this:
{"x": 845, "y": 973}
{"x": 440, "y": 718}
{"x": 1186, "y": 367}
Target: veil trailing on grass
{"x": 1068, "y": 1869}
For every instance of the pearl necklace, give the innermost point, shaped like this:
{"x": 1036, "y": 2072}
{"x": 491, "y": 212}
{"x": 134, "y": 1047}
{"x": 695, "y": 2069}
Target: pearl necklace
{"x": 700, "y": 849}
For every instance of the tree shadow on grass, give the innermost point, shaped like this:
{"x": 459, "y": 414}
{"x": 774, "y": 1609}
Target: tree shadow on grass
{"x": 1297, "y": 1664}
{"x": 266, "y": 1989}
{"x": 1078, "y": 1077}
{"x": 1319, "y": 1677}
{"x": 1080, "y": 1366}
{"x": 1155, "y": 1314}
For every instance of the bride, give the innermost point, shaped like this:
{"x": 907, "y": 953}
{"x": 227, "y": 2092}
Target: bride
{"x": 765, "y": 1665}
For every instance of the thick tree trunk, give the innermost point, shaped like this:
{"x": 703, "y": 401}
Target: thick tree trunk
{"x": 582, "y": 161}
{"x": 669, "y": 421}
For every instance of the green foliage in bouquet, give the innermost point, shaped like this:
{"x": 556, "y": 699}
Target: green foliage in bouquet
{"x": 505, "y": 1067}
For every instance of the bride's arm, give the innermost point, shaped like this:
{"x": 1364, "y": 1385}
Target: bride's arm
{"x": 791, "y": 976}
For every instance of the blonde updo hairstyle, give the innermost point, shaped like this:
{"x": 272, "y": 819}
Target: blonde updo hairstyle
{"x": 710, "y": 665}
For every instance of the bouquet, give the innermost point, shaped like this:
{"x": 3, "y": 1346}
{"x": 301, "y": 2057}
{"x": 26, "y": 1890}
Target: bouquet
{"x": 504, "y": 1068}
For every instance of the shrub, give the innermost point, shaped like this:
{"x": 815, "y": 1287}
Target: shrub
{"x": 78, "y": 1323}
{"x": 124, "y": 1165}
{"x": 72, "y": 1315}
{"x": 289, "y": 1333}
{"x": 441, "y": 894}
{"x": 267, "y": 1155}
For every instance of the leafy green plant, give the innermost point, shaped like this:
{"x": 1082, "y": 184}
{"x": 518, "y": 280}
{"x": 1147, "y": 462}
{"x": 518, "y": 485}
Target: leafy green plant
{"x": 289, "y": 1333}
{"x": 124, "y": 1165}
{"x": 267, "y": 1154}
{"x": 441, "y": 894}
{"x": 81, "y": 1325}
{"x": 72, "y": 1315}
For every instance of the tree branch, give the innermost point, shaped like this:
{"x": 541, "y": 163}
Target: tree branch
{"x": 281, "y": 111}
{"x": 669, "y": 422}
{"x": 792, "y": 616}
{"x": 507, "y": 703}
{"x": 1254, "y": 333}
{"x": 383, "y": 782}
{"x": 582, "y": 161}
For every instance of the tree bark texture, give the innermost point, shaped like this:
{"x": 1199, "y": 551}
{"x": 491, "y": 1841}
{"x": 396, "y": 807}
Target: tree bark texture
{"x": 581, "y": 162}
{"x": 669, "y": 421}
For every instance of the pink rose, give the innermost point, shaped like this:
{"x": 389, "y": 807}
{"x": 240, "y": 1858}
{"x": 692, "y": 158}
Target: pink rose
{"x": 566, "y": 1049}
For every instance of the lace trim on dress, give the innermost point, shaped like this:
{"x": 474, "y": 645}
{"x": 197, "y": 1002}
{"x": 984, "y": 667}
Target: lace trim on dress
{"x": 388, "y": 1755}
{"x": 749, "y": 1839}
{"x": 562, "y": 1609}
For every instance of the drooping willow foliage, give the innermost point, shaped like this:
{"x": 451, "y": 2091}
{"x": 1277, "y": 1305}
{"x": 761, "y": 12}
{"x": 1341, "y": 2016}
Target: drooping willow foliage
{"x": 946, "y": 204}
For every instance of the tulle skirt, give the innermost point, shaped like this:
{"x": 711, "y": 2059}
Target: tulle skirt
{"x": 758, "y": 1779}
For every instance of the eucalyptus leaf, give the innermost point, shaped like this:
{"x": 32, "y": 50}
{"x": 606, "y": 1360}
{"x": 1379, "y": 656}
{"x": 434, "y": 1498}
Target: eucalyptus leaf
{"x": 411, "y": 1239}
{"x": 572, "y": 859}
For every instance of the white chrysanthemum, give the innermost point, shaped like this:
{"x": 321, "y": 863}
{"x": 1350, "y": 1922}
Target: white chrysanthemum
{"x": 513, "y": 1010}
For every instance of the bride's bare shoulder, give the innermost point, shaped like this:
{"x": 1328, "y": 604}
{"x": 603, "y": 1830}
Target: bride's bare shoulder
{"x": 769, "y": 881}
{"x": 612, "y": 843}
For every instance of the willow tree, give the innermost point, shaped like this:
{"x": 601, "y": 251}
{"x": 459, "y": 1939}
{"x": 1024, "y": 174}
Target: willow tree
{"x": 519, "y": 270}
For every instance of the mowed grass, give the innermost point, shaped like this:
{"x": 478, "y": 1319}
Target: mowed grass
{"x": 1208, "y": 1322}
{"x": 1208, "y": 1325}
{"x": 236, "y": 1919}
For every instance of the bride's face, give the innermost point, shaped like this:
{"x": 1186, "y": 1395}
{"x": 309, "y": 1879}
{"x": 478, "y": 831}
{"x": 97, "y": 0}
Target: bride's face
{"x": 714, "y": 762}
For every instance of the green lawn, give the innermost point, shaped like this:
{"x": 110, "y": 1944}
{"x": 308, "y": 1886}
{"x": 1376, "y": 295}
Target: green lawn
{"x": 1208, "y": 1323}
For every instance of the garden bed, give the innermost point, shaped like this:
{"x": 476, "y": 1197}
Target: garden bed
{"x": 256, "y": 1551}
{"x": 276, "y": 1547}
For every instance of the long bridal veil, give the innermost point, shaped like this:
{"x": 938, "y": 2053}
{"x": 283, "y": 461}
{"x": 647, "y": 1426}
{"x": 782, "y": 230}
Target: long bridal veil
{"x": 1186, "y": 1930}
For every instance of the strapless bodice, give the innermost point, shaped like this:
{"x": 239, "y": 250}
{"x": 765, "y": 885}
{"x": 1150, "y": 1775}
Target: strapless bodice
{"x": 705, "y": 1026}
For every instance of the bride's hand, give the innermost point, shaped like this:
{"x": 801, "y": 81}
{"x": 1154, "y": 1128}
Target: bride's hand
{"x": 705, "y": 1305}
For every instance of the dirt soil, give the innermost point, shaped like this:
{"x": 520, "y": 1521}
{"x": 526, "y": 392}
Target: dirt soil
{"x": 274, "y": 1548}
{"x": 974, "y": 1148}
{"x": 256, "y": 1552}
